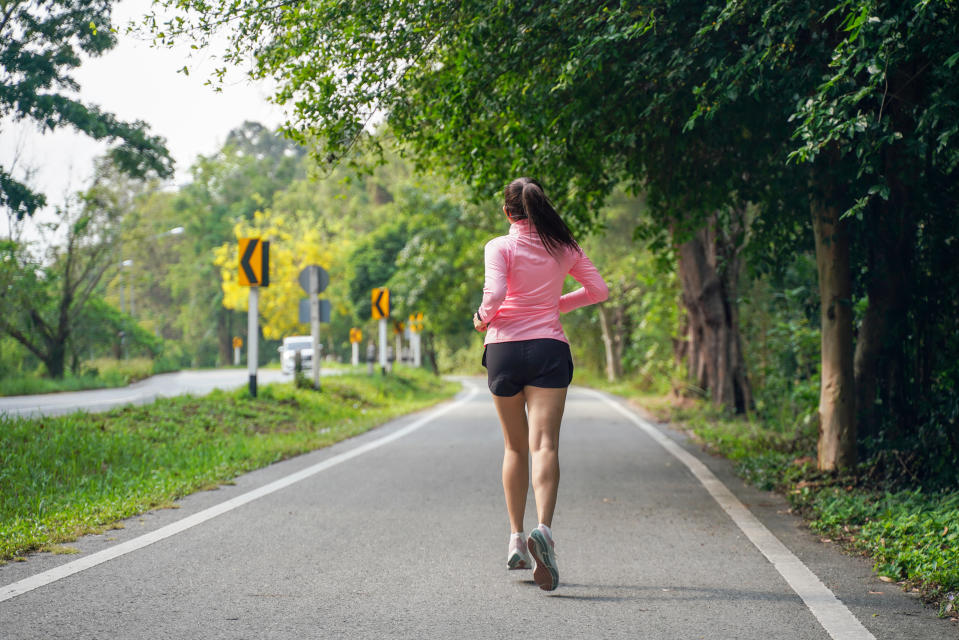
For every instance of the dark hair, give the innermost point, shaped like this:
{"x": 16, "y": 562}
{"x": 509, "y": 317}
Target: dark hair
{"x": 524, "y": 198}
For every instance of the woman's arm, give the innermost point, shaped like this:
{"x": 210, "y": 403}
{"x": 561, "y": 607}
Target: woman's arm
{"x": 594, "y": 288}
{"x": 494, "y": 284}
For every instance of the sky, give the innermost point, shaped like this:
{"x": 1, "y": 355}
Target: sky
{"x": 137, "y": 82}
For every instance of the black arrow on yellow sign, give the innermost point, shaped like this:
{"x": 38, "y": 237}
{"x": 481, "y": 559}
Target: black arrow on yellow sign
{"x": 254, "y": 262}
{"x": 245, "y": 261}
{"x": 381, "y": 303}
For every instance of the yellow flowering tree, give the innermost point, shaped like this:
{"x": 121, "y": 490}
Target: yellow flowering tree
{"x": 295, "y": 242}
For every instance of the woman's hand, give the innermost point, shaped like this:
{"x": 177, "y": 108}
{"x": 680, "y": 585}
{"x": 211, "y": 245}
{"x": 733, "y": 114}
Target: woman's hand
{"x": 478, "y": 324}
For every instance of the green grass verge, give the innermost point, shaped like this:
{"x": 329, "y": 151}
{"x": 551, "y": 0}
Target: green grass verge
{"x": 30, "y": 385}
{"x": 63, "y": 477}
{"x": 911, "y": 535}
{"x": 101, "y": 373}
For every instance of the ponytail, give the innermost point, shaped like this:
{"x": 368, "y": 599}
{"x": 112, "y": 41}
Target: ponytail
{"x": 525, "y": 199}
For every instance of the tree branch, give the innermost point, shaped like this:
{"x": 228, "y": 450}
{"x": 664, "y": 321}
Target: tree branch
{"x": 81, "y": 299}
{"x": 40, "y": 324}
{"x": 22, "y": 339}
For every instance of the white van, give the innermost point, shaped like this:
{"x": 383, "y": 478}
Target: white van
{"x": 292, "y": 344}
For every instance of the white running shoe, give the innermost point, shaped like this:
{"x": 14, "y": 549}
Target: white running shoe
{"x": 540, "y": 544}
{"x": 517, "y": 557}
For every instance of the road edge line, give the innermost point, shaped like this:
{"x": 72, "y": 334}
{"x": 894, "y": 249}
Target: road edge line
{"x": 44, "y": 578}
{"x": 838, "y": 621}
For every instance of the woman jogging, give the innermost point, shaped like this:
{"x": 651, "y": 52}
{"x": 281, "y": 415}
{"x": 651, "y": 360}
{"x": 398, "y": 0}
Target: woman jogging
{"x": 528, "y": 360}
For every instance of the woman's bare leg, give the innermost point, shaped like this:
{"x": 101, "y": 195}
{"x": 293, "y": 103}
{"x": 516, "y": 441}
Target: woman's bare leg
{"x": 512, "y": 417}
{"x": 545, "y": 408}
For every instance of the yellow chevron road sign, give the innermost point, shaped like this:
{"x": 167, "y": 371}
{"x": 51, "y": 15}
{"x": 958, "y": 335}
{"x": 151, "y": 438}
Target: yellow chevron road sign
{"x": 381, "y": 303}
{"x": 254, "y": 262}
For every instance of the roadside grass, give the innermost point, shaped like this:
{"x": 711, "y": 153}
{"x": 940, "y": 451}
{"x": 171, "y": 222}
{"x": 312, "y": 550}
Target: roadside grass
{"x": 106, "y": 373}
{"x": 66, "y": 476}
{"x": 30, "y": 385}
{"x": 101, "y": 373}
{"x": 911, "y": 535}
{"x": 653, "y": 392}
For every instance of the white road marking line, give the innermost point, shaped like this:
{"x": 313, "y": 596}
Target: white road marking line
{"x": 836, "y": 619}
{"x": 58, "y": 573}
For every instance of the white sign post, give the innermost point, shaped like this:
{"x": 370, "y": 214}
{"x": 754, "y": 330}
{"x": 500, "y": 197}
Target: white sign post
{"x": 382, "y": 347}
{"x": 254, "y": 272}
{"x": 381, "y": 311}
{"x": 252, "y": 329}
{"x": 416, "y": 327}
{"x": 356, "y": 335}
{"x": 314, "y": 280}
{"x": 315, "y": 325}
{"x": 417, "y": 356}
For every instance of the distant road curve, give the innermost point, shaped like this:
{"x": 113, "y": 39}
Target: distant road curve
{"x": 194, "y": 382}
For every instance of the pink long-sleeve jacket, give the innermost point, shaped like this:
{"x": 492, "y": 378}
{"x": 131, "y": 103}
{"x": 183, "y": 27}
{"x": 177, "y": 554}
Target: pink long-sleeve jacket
{"x": 522, "y": 293}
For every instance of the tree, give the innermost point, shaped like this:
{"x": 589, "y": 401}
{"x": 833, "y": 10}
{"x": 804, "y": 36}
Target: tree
{"x": 638, "y": 323}
{"x": 338, "y": 222}
{"x": 149, "y": 249}
{"x": 439, "y": 269}
{"x": 40, "y": 43}
{"x": 294, "y": 244}
{"x": 228, "y": 188}
{"x": 871, "y": 84}
{"x": 703, "y": 106}
{"x": 489, "y": 90}
{"x": 95, "y": 335}
{"x": 44, "y": 298}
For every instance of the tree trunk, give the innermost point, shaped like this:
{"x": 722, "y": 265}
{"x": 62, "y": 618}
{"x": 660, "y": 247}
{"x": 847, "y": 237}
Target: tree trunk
{"x": 430, "y": 348}
{"x": 837, "y": 424}
{"x": 224, "y": 335}
{"x": 866, "y": 363}
{"x": 709, "y": 274}
{"x": 681, "y": 343}
{"x": 612, "y": 341}
{"x": 55, "y": 359}
{"x": 880, "y": 345}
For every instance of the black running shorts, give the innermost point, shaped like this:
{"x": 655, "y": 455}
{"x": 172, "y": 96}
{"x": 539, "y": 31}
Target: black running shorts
{"x": 543, "y": 362}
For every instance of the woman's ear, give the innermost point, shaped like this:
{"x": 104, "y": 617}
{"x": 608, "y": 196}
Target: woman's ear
{"x": 506, "y": 213}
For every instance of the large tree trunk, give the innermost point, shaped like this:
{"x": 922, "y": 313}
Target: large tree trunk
{"x": 879, "y": 344}
{"x": 55, "y": 358}
{"x": 890, "y": 249}
{"x": 51, "y": 344}
{"x": 837, "y": 407}
{"x": 709, "y": 273}
{"x": 869, "y": 347}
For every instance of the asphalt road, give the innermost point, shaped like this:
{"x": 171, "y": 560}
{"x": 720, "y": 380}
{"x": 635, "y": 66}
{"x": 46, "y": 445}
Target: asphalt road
{"x": 402, "y": 533}
{"x": 198, "y": 383}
